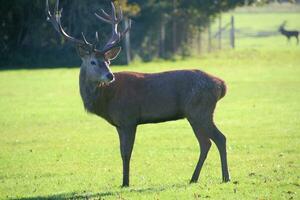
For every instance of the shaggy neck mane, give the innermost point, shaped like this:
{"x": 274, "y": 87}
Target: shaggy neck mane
{"x": 89, "y": 91}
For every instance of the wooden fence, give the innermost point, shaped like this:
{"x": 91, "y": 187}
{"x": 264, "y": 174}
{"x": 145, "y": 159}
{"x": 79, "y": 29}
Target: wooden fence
{"x": 217, "y": 38}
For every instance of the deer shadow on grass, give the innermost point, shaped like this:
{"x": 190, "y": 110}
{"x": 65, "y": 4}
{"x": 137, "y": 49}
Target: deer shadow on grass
{"x": 100, "y": 195}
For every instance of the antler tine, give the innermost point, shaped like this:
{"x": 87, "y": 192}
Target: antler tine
{"x": 284, "y": 22}
{"x": 50, "y": 17}
{"x": 106, "y": 18}
{"x": 97, "y": 37}
{"x": 84, "y": 39}
{"x": 56, "y": 7}
{"x": 47, "y": 10}
{"x": 114, "y": 21}
{"x": 113, "y": 18}
{"x": 113, "y": 12}
{"x": 120, "y": 15}
{"x": 126, "y": 30}
{"x": 56, "y": 22}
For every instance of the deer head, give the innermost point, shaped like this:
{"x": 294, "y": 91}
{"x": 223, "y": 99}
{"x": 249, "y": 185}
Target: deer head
{"x": 96, "y": 62}
{"x": 281, "y": 27}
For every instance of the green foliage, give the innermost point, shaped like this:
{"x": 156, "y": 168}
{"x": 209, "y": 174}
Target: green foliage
{"x": 130, "y": 10}
{"x": 24, "y": 30}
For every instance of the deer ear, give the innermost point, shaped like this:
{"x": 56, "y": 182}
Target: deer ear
{"x": 112, "y": 54}
{"x": 82, "y": 50}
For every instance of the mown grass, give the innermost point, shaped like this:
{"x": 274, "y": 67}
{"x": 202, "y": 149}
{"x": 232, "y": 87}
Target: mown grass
{"x": 50, "y": 148}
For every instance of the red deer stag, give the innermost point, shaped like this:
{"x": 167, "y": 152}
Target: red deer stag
{"x": 127, "y": 99}
{"x": 288, "y": 34}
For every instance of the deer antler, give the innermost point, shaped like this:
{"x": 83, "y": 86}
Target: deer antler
{"x": 56, "y": 22}
{"x": 283, "y": 24}
{"x": 114, "y": 20}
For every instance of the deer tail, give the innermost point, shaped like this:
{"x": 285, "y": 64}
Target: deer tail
{"x": 222, "y": 88}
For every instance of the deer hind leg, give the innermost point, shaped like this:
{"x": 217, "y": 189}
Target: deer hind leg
{"x": 220, "y": 140}
{"x": 205, "y": 130}
{"x": 205, "y": 144}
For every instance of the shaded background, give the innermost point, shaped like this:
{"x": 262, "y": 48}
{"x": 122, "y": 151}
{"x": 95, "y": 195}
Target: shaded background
{"x": 160, "y": 28}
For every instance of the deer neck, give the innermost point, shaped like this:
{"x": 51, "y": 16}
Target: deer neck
{"x": 89, "y": 91}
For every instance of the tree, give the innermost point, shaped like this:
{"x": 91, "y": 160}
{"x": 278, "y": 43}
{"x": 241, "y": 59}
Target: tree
{"x": 160, "y": 28}
{"x": 129, "y": 10}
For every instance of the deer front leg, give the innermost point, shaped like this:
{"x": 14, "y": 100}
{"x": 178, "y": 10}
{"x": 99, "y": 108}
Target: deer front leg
{"x": 126, "y": 136}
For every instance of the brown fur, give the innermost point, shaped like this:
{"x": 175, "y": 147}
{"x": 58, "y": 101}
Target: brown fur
{"x": 139, "y": 98}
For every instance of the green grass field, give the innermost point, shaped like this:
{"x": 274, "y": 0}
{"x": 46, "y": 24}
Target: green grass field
{"x": 50, "y": 148}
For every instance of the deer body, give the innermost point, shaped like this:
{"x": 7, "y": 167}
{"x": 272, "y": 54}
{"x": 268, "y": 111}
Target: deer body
{"x": 289, "y": 33}
{"x": 127, "y": 99}
{"x": 139, "y": 98}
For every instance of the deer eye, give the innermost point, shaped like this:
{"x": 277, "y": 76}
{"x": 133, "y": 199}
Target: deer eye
{"x": 93, "y": 62}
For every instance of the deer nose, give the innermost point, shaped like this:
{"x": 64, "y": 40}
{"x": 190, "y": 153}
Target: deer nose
{"x": 110, "y": 76}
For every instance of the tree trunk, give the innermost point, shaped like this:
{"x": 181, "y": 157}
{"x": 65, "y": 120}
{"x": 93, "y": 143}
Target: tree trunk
{"x": 162, "y": 38}
{"x": 209, "y": 37}
{"x": 174, "y": 29}
{"x": 220, "y": 32}
{"x": 199, "y": 42}
{"x": 127, "y": 41}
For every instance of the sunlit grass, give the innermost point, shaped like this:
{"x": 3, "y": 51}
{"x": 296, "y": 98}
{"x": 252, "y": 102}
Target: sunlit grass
{"x": 51, "y": 148}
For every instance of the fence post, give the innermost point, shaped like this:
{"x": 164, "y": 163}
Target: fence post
{"x": 220, "y": 31}
{"x": 209, "y": 37}
{"x": 232, "y": 33}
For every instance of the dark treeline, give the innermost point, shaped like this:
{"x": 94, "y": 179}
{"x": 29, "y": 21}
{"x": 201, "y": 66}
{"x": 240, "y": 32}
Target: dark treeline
{"x": 159, "y": 28}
